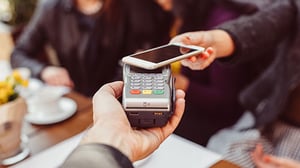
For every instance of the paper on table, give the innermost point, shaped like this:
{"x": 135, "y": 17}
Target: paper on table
{"x": 52, "y": 157}
{"x": 175, "y": 152}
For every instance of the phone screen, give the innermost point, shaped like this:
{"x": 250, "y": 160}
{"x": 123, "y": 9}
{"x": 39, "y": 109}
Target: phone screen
{"x": 162, "y": 54}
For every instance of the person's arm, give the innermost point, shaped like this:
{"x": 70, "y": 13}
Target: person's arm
{"x": 96, "y": 155}
{"x": 243, "y": 38}
{"x": 31, "y": 42}
{"x": 111, "y": 140}
{"x": 259, "y": 33}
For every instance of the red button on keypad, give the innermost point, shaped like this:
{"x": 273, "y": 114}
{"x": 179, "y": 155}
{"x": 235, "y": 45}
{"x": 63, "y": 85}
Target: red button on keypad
{"x": 134, "y": 91}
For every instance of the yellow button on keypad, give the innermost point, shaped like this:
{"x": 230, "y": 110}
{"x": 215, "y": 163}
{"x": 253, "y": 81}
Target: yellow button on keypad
{"x": 147, "y": 92}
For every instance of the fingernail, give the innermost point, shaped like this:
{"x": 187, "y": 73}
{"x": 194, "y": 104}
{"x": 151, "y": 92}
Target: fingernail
{"x": 204, "y": 56}
{"x": 266, "y": 159}
{"x": 209, "y": 51}
{"x": 193, "y": 59}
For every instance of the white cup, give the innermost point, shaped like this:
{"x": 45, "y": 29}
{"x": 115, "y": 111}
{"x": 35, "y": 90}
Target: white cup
{"x": 34, "y": 85}
{"x": 44, "y": 102}
{"x": 24, "y": 72}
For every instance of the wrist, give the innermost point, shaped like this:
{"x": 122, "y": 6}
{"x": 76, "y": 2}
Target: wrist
{"x": 107, "y": 137}
{"x": 222, "y": 43}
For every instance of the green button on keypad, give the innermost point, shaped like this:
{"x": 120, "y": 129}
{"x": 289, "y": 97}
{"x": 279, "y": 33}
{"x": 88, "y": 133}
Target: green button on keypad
{"x": 158, "y": 92}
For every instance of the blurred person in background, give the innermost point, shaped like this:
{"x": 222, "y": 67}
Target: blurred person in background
{"x": 273, "y": 97}
{"x": 212, "y": 94}
{"x": 150, "y": 24}
{"x": 89, "y": 37}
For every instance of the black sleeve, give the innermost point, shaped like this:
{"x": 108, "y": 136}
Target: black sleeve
{"x": 257, "y": 34}
{"x": 96, "y": 156}
{"x": 31, "y": 42}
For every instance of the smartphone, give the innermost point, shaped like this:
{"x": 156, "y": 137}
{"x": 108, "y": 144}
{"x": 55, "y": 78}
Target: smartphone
{"x": 161, "y": 56}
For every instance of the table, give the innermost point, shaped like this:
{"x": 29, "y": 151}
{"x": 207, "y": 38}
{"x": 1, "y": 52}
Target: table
{"x": 44, "y": 137}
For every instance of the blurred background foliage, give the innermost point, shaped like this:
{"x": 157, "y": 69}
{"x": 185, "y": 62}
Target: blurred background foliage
{"x": 16, "y": 12}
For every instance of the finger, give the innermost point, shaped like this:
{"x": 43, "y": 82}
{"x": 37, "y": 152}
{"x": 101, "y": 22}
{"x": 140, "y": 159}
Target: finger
{"x": 183, "y": 38}
{"x": 68, "y": 81}
{"x": 204, "y": 55}
{"x": 193, "y": 59}
{"x": 60, "y": 79}
{"x": 63, "y": 81}
{"x": 207, "y": 53}
{"x": 184, "y": 50}
{"x": 178, "y": 113}
{"x": 71, "y": 84}
{"x": 256, "y": 160}
{"x": 199, "y": 63}
{"x": 193, "y": 64}
{"x": 259, "y": 150}
{"x": 281, "y": 162}
{"x": 52, "y": 81}
{"x": 186, "y": 39}
{"x": 185, "y": 62}
{"x": 195, "y": 38}
{"x": 210, "y": 50}
{"x": 207, "y": 61}
{"x": 114, "y": 88}
{"x": 196, "y": 65}
{"x": 105, "y": 103}
{"x": 260, "y": 158}
{"x": 260, "y": 163}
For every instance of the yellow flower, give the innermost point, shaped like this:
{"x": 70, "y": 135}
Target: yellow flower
{"x": 17, "y": 77}
{"x": 3, "y": 96}
{"x": 6, "y": 90}
{"x": 24, "y": 83}
{"x": 8, "y": 87}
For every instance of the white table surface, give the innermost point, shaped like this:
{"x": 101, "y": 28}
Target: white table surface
{"x": 175, "y": 152}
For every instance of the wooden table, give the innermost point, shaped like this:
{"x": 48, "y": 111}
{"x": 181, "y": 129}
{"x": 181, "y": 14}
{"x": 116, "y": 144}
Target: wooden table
{"x": 42, "y": 137}
{"x": 224, "y": 164}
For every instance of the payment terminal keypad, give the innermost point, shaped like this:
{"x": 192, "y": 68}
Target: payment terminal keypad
{"x": 147, "y": 84}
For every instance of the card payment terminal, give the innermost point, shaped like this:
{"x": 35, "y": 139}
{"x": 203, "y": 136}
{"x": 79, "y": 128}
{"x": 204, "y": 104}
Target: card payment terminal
{"x": 148, "y": 96}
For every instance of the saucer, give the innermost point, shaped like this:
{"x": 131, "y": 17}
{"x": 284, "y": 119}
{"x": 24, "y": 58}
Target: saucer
{"x": 67, "y": 107}
{"x": 21, "y": 155}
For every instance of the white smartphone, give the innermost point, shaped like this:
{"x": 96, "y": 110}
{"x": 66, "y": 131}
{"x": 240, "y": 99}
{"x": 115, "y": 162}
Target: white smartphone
{"x": 161, "y": 56}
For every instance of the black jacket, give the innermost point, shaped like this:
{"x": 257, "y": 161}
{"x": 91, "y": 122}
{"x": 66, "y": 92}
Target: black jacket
{"x": 275, "y": 28}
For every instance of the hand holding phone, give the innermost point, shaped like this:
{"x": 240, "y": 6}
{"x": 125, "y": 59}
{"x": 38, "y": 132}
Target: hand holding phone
{"x": 160, "y": 56}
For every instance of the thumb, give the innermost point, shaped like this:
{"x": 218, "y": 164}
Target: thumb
{"x": 115, "y": 89}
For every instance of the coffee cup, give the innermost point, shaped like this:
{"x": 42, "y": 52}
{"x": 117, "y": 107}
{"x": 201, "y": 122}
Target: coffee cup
{"x": 44, "y": 102}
